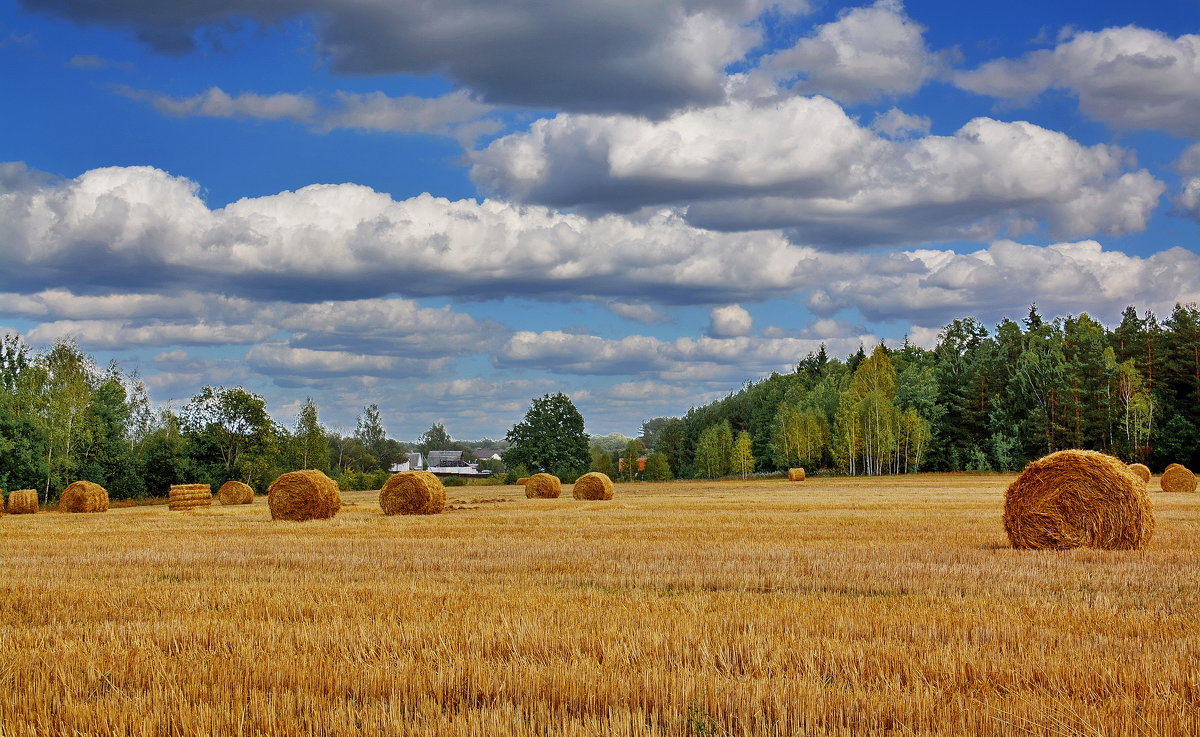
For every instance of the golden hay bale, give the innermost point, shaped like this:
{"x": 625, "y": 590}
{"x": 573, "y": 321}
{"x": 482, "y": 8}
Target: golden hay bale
{"x": 1172, "y": 465}
{"x": 83, "y": 496}
{"x": 189, "y": 496}
{"x": 1177, "y": 478}
{"x": 795, "y": 474}
{"x": 1142, "y": 471}
{"x": 413, "y": 492}
{"x": 1076, "y": 498}
{"x": 523, "y": 480}
{"x": 543, "y": 486}
{"x": 593, "y": 486}
{"x": 303, "y": 495}
{"x": 23, "y": 501}
{"x": 235, "y": 492}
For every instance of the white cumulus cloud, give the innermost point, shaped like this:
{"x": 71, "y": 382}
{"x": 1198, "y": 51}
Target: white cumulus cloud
{"x": 1131, "y": 78}
{"x": 867, "y": 53}
{"x": 805, "y": 165}
{"x": 730, "y": 321}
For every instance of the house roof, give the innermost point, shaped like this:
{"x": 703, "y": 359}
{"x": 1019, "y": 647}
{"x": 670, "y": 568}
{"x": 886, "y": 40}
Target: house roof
{"x": 445, "y": 458}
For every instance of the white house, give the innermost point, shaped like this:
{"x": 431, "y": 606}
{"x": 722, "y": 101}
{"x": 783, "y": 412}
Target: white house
{"x": 414, "y": 462}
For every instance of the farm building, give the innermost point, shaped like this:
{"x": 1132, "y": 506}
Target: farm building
{"x": 413, "y": 462}
{"x": 452, "y": 463}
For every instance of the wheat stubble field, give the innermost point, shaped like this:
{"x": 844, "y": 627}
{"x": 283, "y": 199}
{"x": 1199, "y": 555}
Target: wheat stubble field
{"x": 888, "y": 606}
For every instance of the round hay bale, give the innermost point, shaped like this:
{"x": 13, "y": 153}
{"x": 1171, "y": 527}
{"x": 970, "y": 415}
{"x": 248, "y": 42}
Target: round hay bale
{"x": 303, "y": 495}
{"x": 1172, "y": 465}
{"x": 1076, "y": 498}
{"x": 1142, "y": 471}
{"x": 593, "y": 486}
{"x": 1177, "y": 478}
{"x": 523, "y": 480}
{"x": 413, "y": 492}
{"x": 795, "y": 474}
{"x": 83, "y": 496}
{"x": 189, "y": 496}
{"x": 23, "y": 501}
{"x": 235, "y": 492}
{"x": 543, "y": 486}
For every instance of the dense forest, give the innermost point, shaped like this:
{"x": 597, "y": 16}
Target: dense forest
{"x": 977, "y": 401}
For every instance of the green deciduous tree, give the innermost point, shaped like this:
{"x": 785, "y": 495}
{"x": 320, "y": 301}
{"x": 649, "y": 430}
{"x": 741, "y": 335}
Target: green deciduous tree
{"x": 601, "y": 461}
{"x": 371, "y": 436}
{"x": 311, "y": 446}
{"x": 550, "y": 438}
{"x": 742, "y": 458}
{"x": 658, "y": 467}
{"x": 714, "y": 451}
{"x": 68, "y": 380}
{"x": 435, "y": 438}
{"x": 230, "y": 434}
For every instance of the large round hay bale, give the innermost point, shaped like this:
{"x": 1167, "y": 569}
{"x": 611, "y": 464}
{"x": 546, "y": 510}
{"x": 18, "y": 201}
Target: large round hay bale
{"x": 795, "y": 474}
{"x": 23, "y": 501}
{"x": 189, "y": 496}
{"x": 413, "y": 492}
{"x": 235, "y": 492}
{"x": 1076, "y": 498}
{"x": 593, "y": 486}
{"x": 1142, "y": 471}
{"x": 543, "y": 486}
{"x": 83, "y": 496}
{"x": 303, "y": 495}
{"x": 1177, "y": 478}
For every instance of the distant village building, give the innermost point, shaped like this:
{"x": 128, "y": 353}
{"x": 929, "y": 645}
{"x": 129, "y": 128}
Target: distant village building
{"x": 443, "y": 463}
{"x": 452, "y": 463}
{"x": 413, "y": 462}
{"x": 487, "y": 455}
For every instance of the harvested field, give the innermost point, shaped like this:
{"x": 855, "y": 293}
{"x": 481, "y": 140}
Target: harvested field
{"x": 890, "y": 606}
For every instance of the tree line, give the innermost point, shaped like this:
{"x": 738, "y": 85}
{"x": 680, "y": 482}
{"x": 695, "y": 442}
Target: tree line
{"x": 978, "y": 401}
{"x": 63, "y": 419}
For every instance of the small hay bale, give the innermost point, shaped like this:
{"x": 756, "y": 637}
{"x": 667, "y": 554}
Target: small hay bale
{"x": 23, "y": 501}
{"x": 235, "y": 492}
{"x": 412, "y": 492}
{"x": 1178, "y": 478}
{"x": 593, "y": 486}
{"x": 523, "y": 480}
{"x": 189, "y": 496}
{"x": 543, "y": 486}
{"x": 795, "y": 474}
{"x": 1172, "y": 465}
{"x": 83, "y": 496}
{"x": 303, "y": 495}
{"x": 1142, "y": 471}
{"x": 1076, "y": 498}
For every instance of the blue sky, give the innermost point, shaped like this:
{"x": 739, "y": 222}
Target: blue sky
{"x": 450, "y": 208}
